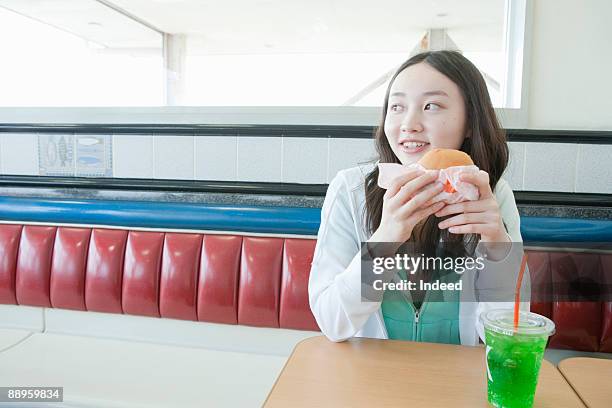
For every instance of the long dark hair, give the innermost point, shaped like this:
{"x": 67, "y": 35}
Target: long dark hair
{"x": 485, "y": 141}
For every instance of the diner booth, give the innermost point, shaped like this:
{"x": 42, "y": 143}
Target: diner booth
{"x": 163, "y": 169}
{"x": 139, "y": 294}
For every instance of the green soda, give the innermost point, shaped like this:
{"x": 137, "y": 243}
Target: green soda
{"x": 514, "y": 356}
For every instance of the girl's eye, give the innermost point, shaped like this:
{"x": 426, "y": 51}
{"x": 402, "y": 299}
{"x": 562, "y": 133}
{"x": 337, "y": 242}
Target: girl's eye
{"x": 432, "y": 106}
{"x": 395, "y": 107}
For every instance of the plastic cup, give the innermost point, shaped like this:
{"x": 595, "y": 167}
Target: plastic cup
{"x": 514, "y": 356}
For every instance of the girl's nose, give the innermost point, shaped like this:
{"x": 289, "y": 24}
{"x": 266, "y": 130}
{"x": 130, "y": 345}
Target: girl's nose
{"x": 411, "y": 124}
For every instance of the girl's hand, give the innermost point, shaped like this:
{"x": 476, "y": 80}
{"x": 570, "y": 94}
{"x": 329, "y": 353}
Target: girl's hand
{"x": 403, "y": 205}
{"x": 476, "y": 217}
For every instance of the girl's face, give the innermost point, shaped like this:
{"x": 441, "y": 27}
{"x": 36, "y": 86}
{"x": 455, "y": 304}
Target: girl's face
{"x": 426, "y": 110}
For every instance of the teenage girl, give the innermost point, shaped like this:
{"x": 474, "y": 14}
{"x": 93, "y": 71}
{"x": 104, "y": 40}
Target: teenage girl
{"x": 435, "y": 100}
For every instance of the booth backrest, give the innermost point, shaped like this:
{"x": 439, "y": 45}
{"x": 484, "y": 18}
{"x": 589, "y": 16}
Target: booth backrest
{"x": 257, "y": 281}
{"x": 231, "y": 279}
{"x": 579, "y": 325}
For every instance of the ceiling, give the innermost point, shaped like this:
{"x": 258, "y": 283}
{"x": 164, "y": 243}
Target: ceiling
{"x": 273, "y": 26}
{"x": 88, "y": 19}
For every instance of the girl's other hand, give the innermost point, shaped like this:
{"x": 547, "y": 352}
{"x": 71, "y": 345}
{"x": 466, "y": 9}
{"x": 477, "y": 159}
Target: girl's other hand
{"x": 403, "y": 205}
{"x": 476, "y": 217}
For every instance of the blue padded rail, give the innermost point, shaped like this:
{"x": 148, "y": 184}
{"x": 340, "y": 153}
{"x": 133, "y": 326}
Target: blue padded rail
{"x": 258, "y": 219}
{"x": 555, "y": 229}
{"x": 279, "y": 220}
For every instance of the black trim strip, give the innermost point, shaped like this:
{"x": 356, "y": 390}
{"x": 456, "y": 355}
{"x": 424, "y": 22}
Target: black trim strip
{"x": 569, "y": 199}
{"x": 227, "y": 187}
{"x": 163, "y": 185}
{"x": 560, "y": 136}
{"x": 357, "y": 132}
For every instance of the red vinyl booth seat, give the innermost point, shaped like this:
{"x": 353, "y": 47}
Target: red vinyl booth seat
{"x": 231, "y": 279}
{"x": 257, "y": 281}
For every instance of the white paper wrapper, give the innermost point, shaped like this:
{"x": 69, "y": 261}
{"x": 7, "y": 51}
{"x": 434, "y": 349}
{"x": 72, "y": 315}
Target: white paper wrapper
{"x": 455, "y": 190}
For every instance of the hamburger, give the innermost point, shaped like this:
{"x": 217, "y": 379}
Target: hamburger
{"x": 440, "y": 159}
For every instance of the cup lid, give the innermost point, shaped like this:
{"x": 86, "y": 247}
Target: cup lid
{"x": 530, "y": 324}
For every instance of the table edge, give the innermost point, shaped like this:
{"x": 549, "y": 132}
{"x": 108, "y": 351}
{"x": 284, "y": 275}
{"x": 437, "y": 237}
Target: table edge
{"x": 298, "y": 344}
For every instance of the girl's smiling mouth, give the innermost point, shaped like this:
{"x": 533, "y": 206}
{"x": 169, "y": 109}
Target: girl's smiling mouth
{"x": 412, "y": 146}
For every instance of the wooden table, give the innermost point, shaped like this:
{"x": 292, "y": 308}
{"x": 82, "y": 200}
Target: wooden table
{"x": 389, "y": 373}
{"x": 591, "y": 378}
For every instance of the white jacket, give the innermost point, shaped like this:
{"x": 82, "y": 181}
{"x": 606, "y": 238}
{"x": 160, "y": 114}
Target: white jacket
{"x": 334, "y": 286}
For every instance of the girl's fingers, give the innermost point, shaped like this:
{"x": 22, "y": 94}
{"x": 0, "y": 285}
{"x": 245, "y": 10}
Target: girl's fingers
{"x": 480, "y": 180}
{"x": 468, "y": 218}
{"x": 464, "y": 207}
{"x": 400, "y": 181}
{"x": 426, "y": 212}
{"x": 482, "y": 229}
{"x": 433, "y": 200}
{"x": 416, "y": 202}
{"x": 412, "y": 187}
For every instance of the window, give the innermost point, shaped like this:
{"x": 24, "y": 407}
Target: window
{"x": 77, "y": 53}
{"x": 156, "y": 53}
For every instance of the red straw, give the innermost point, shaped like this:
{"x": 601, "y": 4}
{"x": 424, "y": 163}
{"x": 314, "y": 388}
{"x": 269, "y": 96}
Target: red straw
{"x": 517, "y": 294}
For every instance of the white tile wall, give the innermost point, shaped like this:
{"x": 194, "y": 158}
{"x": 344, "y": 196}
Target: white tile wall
{"x": 174, "y": 157}
{"x": 532, "y": 166}
{"x": 345, "y": 153}
{"x": 133, "y": 156}
{"x": 305, "y": 160}
{"x": 594, "y": 170}
{"x": 515, "y": 171}
{"x": 19, "y": 154}
{"x": 259, "y": 159}
{"x": 550, "y": 167}
{"x": 216, "y": 158}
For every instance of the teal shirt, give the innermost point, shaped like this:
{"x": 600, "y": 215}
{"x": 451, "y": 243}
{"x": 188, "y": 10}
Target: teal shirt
{"x": 437, "y": 320}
